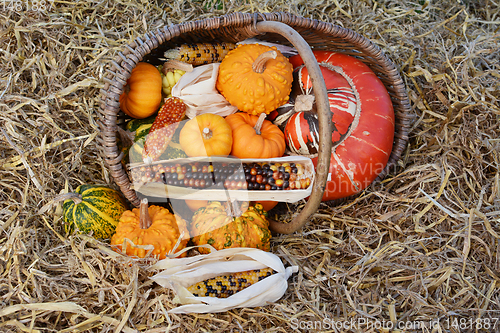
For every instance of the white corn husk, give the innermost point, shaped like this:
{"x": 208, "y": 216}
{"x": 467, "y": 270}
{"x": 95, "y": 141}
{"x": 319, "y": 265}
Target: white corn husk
{"x": 197, "y": 90}
{"x": 179, "y": 274}
{"x": 287, "y": 51}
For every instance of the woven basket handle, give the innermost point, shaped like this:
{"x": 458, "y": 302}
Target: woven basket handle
{"x": 324, "y": 119}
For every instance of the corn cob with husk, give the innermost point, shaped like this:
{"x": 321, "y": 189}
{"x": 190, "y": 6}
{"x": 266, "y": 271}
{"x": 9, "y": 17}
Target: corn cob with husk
{"x": 226, "y": 285}
{"x": 262, "y": 276}
{"x": 171, "y": 73}
{"x": 200, "y": 53}
{"x": 163, "y": 128}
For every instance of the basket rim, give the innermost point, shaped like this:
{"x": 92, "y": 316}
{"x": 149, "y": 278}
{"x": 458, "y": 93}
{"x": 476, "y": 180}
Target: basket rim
{"x": 119, "y": 69}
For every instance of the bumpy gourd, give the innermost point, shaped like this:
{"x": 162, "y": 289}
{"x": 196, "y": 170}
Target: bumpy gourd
{"x": 153, "y": 225}
{"x": 255, "y": 78}
{"x": 215, "y": 226}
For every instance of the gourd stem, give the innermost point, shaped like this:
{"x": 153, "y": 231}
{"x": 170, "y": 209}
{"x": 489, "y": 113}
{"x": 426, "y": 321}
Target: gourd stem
{"x": 304, "y": 103}
{"x": 259, "y": 65}
{"x": 233, "y": 208}
{"x": 260, "y": 121}
{"x": 144, "y": 218}
{"x": 206, "y": 133}
{"x": 126, "y": 136}
{"x": 77, "y": 199}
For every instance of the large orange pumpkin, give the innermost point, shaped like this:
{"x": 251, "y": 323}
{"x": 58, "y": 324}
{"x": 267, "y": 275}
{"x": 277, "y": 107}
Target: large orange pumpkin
{"x": 363, "y": 126}
{"x": 206, "y": 135}
{"x": 255, "y": 137}
{"x": 141, "y": 95}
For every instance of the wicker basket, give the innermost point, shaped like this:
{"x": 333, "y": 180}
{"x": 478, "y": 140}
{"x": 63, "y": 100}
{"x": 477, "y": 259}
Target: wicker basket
{"x": 284, "y": 28}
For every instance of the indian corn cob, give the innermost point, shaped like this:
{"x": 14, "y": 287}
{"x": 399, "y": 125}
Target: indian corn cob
{"x": 232, "y": 176}
{"x": 163, "y": 128}
{"x": 227, "y": 285}
{"x": 200, "y": 53}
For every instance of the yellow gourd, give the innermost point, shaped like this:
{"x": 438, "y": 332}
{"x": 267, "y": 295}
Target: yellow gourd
{"x": 206, "y": 135}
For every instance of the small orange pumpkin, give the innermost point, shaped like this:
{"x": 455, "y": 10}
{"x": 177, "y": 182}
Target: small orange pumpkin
{"x": 153, "y": 225}
{"x": 206, "y": 135}
{"x": 194, "y": 205}
{"x": 255, "y": 137}
{"x": 256, "y": 78}
{"x": 268, "y": 205}
{"x": 141, "y": 95}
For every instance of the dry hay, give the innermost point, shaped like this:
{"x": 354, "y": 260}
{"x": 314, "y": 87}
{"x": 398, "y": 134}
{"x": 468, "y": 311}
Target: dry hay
{"x": 421, "y": 246}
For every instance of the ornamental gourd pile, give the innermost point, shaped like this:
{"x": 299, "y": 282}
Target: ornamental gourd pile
{"x": 276, "y": 111}
{"x": 276, "y": 117}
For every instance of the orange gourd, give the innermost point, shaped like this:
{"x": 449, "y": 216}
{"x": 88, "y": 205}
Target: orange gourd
{"x": 141, "y": 95}
{"x": 194, "y": 205}
{"x": 206, "y": 135}
{"x": 268, "y": 205}
{"x": 255, "y": 137}
{"x": 256, "y": 78}
{"x": 153, "y": 225}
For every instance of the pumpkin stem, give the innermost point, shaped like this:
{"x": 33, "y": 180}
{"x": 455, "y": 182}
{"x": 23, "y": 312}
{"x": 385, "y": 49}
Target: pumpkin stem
{"x": 206, "y": 133}
{"x": 144, "y": 218}
{"x": 258, "y": 124}
{"x": 259, "y": 65}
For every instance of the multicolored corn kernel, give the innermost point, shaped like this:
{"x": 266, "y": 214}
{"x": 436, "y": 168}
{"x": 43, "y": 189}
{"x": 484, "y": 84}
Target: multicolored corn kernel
{"x": 231, "y": 176}
{"x": 200, "y": 53}
{"x": 163, "y": 128}
{"x": 227, "y": 285}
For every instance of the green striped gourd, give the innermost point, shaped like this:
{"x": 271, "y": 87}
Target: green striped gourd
{"x": 139, "y": 128}
{"x": 94, "y": 208}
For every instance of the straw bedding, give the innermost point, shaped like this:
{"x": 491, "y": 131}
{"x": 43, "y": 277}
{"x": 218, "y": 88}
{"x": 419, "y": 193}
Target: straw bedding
{"x": 421, "y": 246}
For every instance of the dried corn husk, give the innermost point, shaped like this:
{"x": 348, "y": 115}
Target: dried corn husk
{"x": 179, "y": 274}
{"x": 197, "y": 90}
{"x": 287, "y": 51}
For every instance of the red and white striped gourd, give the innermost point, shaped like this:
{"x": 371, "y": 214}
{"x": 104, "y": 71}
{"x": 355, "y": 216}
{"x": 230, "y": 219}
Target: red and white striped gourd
{"x": 362, "y": 117}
